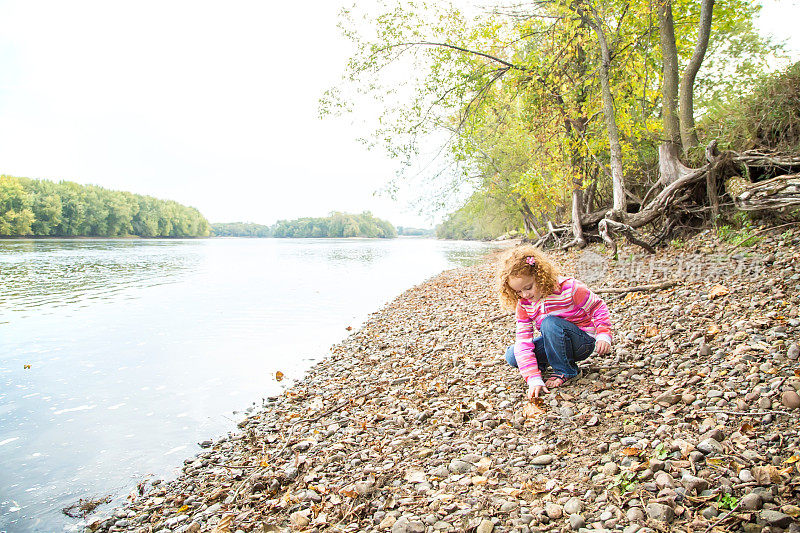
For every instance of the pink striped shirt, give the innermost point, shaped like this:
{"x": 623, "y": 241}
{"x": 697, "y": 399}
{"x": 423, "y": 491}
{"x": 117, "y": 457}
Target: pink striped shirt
{"x": 572, "y": 301}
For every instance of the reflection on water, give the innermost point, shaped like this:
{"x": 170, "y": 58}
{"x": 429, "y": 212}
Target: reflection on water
{"x": 43, "y": 275}
{"x": 139, "y": 349}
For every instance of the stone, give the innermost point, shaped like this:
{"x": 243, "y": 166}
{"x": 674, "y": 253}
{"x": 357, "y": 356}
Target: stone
{"x": 694, "y": 483}
{"x": 751, "y": 502}
{"x": 610, "y": 469}
{"x": 542, "y": 460}
{"x": 790, "y": 399}
{"x": 553, "y": 510}
{"x": 635, "y": 514}
{"x": 573, "y": 506}
{"x": 709, "y": 513}
{"x": 660, "y": 512}
{"x": 364, "y": 488}
{"x": 664, "y": 480}
{"x": 775, "y": 518}
{"x": 458, "y": 466}
{"x": 299, "y": 519}
{"x": 576, "y": 521}
{"x": 793, "y": 352}
{"x": 404, "y": 525}
{"x": 387, "y": 522}
{"x": 709, "y": 446}
{"x": 486, "y": 526}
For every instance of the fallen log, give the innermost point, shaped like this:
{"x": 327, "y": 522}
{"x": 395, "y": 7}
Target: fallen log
{"x": 776, "y": 193}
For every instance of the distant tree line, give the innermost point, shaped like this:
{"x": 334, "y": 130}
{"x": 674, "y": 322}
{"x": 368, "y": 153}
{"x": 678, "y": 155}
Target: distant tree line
{"x": 31, "y": 207}
{"x": 335, "y": 225}
{"x": 414, "y": 232}
{"x": 240, "y": 229}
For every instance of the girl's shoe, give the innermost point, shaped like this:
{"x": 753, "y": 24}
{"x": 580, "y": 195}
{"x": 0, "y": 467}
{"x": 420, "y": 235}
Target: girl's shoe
{"x": 559, "y": 380}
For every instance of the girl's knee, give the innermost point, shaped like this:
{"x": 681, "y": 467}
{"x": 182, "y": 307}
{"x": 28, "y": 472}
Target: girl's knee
{"x": 550, "y": 323}
{"x": 511, "y": 359}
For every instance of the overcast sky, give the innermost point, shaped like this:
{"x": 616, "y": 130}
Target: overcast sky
{"x": 211, "y": 104}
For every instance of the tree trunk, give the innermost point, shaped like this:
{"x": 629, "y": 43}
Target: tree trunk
{"x": 688, "y": 132}
{"x": 617, "y": 177}
{"x": 669, "y": 85}
{"x": 527, "y": 217}
{"x": 577, "y": 206}
{"x": 592, "y": 19}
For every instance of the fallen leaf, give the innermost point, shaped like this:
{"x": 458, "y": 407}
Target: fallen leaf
{"x": 278, "y": 376}
{"x": 793, "y": 459}
{"x": 631, "y": 452}
{"x": 224, "y": 524}
{"x": 717, "y": 291}
{"x": 766, "y": 474}
{"x": 713, "y": 330}
{"x": 650, "y": 331}
{"x": 747, "y": 429}
{"x": 534, "y": 408}
{"x": 349, "y": 328}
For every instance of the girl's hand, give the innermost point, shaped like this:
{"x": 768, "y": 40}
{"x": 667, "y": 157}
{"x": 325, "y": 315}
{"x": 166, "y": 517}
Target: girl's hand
{"x": 602, "y": 347}
{"x": 535, "y": 390}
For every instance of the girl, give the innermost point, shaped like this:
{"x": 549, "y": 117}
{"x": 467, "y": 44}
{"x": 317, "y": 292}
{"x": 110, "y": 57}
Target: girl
{"x": 572, "y": 320}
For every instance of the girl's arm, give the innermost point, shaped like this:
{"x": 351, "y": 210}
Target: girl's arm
{"x": 596, "y": 308}
{"x": 523, "y": 349}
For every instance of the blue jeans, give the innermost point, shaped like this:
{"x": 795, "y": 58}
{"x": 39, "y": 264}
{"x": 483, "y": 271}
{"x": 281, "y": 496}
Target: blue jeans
{"x": 561, "y": 345}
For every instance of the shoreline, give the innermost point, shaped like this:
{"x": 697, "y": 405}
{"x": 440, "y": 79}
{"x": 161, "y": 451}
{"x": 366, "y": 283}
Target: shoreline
{"x": 415, "y": 423}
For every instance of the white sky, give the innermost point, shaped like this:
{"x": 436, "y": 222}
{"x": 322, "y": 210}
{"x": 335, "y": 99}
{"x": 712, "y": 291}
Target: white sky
{"x": 211, "y": 104}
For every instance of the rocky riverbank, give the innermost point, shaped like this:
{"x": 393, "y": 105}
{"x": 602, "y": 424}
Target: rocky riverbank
{"x": 415, "y": 423}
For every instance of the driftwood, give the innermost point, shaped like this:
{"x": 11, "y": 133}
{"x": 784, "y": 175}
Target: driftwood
{"x": 748, "y": 181}
{"x": 638, "y": 288}
{"x": 776, "y": 193}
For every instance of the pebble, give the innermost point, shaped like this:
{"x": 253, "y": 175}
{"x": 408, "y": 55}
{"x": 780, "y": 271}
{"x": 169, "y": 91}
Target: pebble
{"x": 660, "y": 512}
{"x": 634, "y": 514}
{"x": 542, "y": 460}
{"x": 576, "y": 521}
{"x": 790, "y": 399}
{"x": 486, "y": 526}
{"x": 751, "y": 502}
{"x": 709, "y": 446}
{"x": 448, "y": 414}
{"x": 553, "y": 510}
{"x": 775, "y": 518}
{"x": 573, "y": 506}
{"x": 404, "y": 525}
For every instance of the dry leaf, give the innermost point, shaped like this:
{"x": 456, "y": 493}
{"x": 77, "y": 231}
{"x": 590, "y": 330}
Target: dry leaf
{"x": 534, "y": 408}
{"x": 766, "y": 474}
{"x": 278, "y": 376}
{"x": 650, "y": 331}
{"x": 713, "y": 330}
{"x": 224, "y": 524}
{"x": 792, "y": 459}
{"x": 747, "y": 429}
{"x": 717, "y": 291}
{"x": 631, "y": 452}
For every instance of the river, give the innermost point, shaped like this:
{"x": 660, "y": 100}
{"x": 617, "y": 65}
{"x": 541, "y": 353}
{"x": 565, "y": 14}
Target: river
{"x": 118, "y": 356}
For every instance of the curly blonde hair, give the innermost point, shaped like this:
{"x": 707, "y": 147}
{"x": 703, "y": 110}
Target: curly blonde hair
{"x": 513, "y": 263}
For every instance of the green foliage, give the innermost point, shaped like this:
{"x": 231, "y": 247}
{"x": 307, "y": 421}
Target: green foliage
{"x": 482, "y": 218}
{"x": 767, "y": 118}
{"x": 66, "y": 209}
{"x": 625, "y": 481}
{"x": 516, "y": 100}
{"x": 740, "y": 230}
{"x": 415, "y": 232}
{"x": 240, "y": 229}
{"x": 661, "y": 452}
{"x": 727, "y": 501}
{"x": 335, "y": 225}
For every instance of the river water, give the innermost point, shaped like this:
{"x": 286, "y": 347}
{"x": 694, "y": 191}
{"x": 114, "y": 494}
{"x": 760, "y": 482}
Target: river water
{"x": 140, "y": 349}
